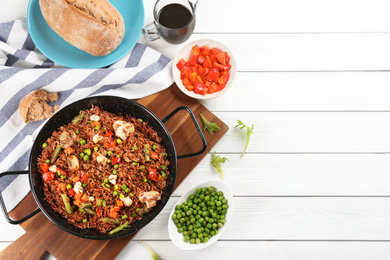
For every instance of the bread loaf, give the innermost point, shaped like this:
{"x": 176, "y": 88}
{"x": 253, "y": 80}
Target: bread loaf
{"x": 94, "y": 26}
{"x": 33, "y": 107}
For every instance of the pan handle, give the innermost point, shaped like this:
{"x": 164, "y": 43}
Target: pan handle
{"x": 197, "y": 128}
{"x": 7, "y": 217}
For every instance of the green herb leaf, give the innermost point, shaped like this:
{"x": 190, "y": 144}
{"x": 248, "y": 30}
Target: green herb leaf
{"x": 154, "y": 255}
{"x": 211, "y": 127}
{"x": 216, "y": 161}
{"x": 249, "y": 131}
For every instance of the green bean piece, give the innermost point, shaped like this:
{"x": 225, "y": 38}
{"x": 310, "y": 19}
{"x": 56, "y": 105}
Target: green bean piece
{"x": 78, "y": 118}
{"x": 140, "y": 119}
{"x": 90, "y": 211}
{"x": 56, "y": 153}
{"x": 124, "y": 216}
{"x": 104, "y": 203}
{"x": 163, "y": 167}
{"x": 86, "y": 205}
{"x": 147, "y": 152}
{"x": 68, "y": 207}
{"x": 110, "y": 220}
{"x": 123, "y": 226}
{"x": 134, "y": 163}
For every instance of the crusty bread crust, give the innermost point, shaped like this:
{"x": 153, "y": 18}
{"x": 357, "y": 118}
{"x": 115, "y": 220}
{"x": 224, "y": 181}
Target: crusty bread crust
{"x": 33, "y": 107}
{"x": 94, "y": 26}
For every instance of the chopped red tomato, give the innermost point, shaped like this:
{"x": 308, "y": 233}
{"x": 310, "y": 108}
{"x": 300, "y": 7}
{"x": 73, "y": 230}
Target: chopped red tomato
{"x": 84, "y": 178}
{"x": 153, "y": 174}
{"x": 45, "y": 167}
{"x": 108, "y": 134}
{"x": 207, "y": 70}
{"x": 153, "y": 155}
{"x": 116, "y": 160}
{"x": 48, "y": 176}
{"x": 61, "y": 171}
{"x": 180, "y": 65}
{"x": 110, "y": 143}
{"x": 72, "y": 192}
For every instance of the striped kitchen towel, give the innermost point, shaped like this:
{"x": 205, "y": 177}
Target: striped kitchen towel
{"x": 23, "y": 68}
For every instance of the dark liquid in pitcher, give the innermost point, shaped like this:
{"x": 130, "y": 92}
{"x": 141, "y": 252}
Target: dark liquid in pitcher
{"x": 174, "y": 16}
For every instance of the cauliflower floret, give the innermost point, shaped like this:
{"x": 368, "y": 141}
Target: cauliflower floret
{"x": 150, "y": 198}
{"x": 123, "y": 129}
{"x": 96, "y": 138}
{"x": 78, "y": 187}
{"x": 94, "y": 118}
{"x": 127, "y": 201}
{"x": 112, "y": 178}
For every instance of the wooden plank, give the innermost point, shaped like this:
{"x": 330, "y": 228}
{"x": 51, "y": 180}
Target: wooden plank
{"x": 272, "y": 16}
{"x": 295, "y": 218}
{"x": 299, "y": 91}
{"x": 42, "y": 235}
{"x": 300, "y": 52}
{"x": 232, "y": 250}
{"x": 306, "y": 132}
{"x": 298, "y": 174}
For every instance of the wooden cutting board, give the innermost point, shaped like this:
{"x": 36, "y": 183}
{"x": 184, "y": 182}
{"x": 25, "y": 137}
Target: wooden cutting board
{"x": 43, "y": 236}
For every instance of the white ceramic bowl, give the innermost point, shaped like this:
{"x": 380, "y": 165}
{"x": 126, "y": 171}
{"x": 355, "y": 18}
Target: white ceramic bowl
{"x": 185, "y": 53}
{"x": 178, "y": 238}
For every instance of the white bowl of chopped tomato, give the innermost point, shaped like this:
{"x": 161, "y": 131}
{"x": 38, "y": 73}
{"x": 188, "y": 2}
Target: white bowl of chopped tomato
{"x": 204, "y": 69}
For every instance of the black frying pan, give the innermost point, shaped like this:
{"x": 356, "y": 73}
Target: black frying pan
{"x": 115, "y": 105}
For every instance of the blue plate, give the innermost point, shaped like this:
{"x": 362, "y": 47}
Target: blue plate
{"x": 61, "y": 52}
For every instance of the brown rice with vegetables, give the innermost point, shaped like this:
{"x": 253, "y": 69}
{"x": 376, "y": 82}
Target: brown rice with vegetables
{"x": 102, "y": 170}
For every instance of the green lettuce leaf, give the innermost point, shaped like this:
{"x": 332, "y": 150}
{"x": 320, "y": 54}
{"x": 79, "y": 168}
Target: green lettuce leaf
{"x": 249, "y": 131}
{"x": 211, "y": 127}
{"x": 216, "y": 161}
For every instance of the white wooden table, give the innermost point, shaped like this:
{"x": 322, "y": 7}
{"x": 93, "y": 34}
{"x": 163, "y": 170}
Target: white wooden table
{"x": 313, "y": 77}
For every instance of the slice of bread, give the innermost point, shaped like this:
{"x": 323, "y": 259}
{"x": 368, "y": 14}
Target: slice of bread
{"x": 34, "y": 107}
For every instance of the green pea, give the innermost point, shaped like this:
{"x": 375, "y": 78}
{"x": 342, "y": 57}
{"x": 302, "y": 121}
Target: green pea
{"x": 115, "y": 193}
{"x": 88, "y": 152}
{"x": 163, "y": 174}
{"x": 163, "y": 167}
{"x": 145, "y": 180}
{"x": 48, "y": 161}
{"x": 82, "y": 142}
{"x": 96, "y": 148}
{"x": 131, "y": 194}
{"x": 104, "y": 203}
{"x": 134, "y": 147}
{"x": 109, "y": 153}
{"x": 154, "y": 147}
{"x": 77, "y": 132}
{"x": 84, "y": 185}
{"x": 69, "y": 186}
{"x": 86, "y": 158}
{"x": 118, "y": 141}
{"x": 165, "y": 154}
{"x": 116, "y": 166}
{"x": 97, "y": 127}
{"x": 122, "y": 196}
{"x": 108, "y": 161}
{"x": 105, "y": 180}
{"x": 85, "y": 220}
{"x": 82, "y": 154}
{"x": 44, "y": 145}
{"x": 134, "y": 163}
{"x": 114, "y": 172}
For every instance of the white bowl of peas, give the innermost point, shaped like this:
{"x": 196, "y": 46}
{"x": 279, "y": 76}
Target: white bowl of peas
{"x": 201, "y": 215}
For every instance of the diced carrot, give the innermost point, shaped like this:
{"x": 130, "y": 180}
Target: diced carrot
{"x": 96, "y": 123}
{"x": 119, "y": 203}
{"x": 78, "y": 196}
{"x": 76, "y": 179}
{"x": 69, "y": 150}
{"x": 62, "y": 187}
{"x": 116, "y": 208}
{"x": 77, "y": 203}
{"x": 84, "y": 178}
{"x": 84, "y": 198}
{"x": 114, "y": 214}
